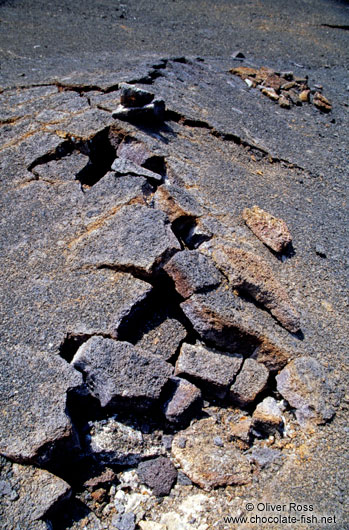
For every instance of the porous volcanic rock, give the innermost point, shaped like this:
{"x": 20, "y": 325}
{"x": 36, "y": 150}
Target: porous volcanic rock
{"x": 207, "y": 464}
{"x": 267, "y": 417}
{"x": 207, "y": 366}
{"x": 177, "y": 202}
{"x": 184, "y": 402}
{"x": 118, "y": 374}
{"x": 250, "y": 382}
{"x": 269, "y": 229}
{"x": 162, "y": 335}
{"x": 33, "y": 402}
{"x": 303, "y": 384}
{"x": 192, "y": 272}
{"x": 159, "y": 474}
{"x": 65, "y": 168}
{"x": 135, "y": 238}
{"x": 27, "y": 494}
{"x": 123, "y": 166}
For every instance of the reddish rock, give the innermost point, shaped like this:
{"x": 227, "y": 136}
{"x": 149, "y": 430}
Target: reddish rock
{"x": 269, "y": 229}
{"x": 271, "y": 93}
{"x": 321, "y": 102}
{"x": 186, "y": 399}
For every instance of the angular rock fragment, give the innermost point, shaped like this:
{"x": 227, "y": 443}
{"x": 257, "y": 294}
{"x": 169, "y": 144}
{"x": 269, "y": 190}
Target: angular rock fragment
{"x": 184, "y": 402}
{"x": 267, "y": 417}
{"x": 272, "y": 231}
{"x": 271, "y": 93}
{"x": 321, "y": 102}
{"x": 304, "y": 96}
{"x": 122, "y": 166}
{"x": 135, "y": 238}
{"x": 158, "y": 474}
{"x": 137, "y": 152}
{"x": 240, "y": 430}
{"x": 284, "y": 102}
{"x": 132, "y": 96}
{"x": 65, "y": 168}
{"x": 161, "y": 336}
{"x": 138, "y": 104}
{"x": 113, "y": 442}
{"x": 303, "y": 384}
{"x": 208, "y": 366}
{"x": 118, "y": 374}
{"x": 250, "y": 382}
{"x": 33, "y": 402}
{"x": 176, "y": 202}
{"x": 232, "y": 324}
{"x": 207, "y": 464}
{"x": 192, "y": 272}
{"x": 27, "y": 494}
{"x": 248, "y": 272}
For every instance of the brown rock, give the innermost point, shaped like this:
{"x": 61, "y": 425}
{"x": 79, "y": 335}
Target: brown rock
{"x": 104, "y": 478}
{"x": 267, "y": 417}
{"x": 176, "y": 202}
{"x": 185, "y": 400}
{"x": 304, "y": 96}
{"x": 208, "y": 366}
{"x": 244, "y": 71}
{"x": 99, "y": 495}
{"x": 269, "y": 229}
{"x": 321, "y": 102}
{"x": 273, "y": 81}
{"x": 271, "y": 93}
{"x": 249, "y": 382}
{"x": 207, "y": 463}
{"x": 284, "y": 102}
{"x": 251, "y": 274}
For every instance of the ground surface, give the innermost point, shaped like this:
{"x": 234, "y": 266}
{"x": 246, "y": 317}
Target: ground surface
{"x": 227, "y": 146}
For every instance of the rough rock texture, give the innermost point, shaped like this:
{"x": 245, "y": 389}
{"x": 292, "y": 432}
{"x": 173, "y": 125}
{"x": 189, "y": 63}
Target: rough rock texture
{"x": 251, "y": 274}
{"x": 303, "y": 384}
{"x": 161, "y": 335}
{"x": 27, "y": 494}
{"x": 66, "y": 168}
{"x": 269, "y": 229}
{"x": 184, "y": 402}
{"x": 33, "y": 402}
{"x": 117, "y": 373}
{"x": 159, "y": 474}
{"x": 207, "y": 464}
{"x": 135, "y": 238}
{"x": 228, "y": 322}
{"x": 123, "y": 166}
{"x": 192, "y": 272}
{"x": 132, "y": 96}
{"x": 113, "y": 442}
{"x": 250, "y": 382}
{"x": 177, "y": 202}
{"x": 207, "y": 366}
{"x": 267, "y": 417}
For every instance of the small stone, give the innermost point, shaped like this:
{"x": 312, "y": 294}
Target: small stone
{"x": 217, "y": 440}
{"x": 240, "y": 429}
{"x": 208, "y": 366}
{"x": 237, "y": 55}
{"x": 321, "y": 102}
{"x": 267, "y": 417}
{"x": 273, "y": 81}
{"x": 183, "y": 480}
{"x": 270, "y": 92}
{"x": 272, "y": 231}
{"x": 126, "y": 521}
{"x": 303, "y": 384}
{"x": 288, "y": 85}
{"x": 118, "y": 374}
{"x": 183, "y": 404}
{"x": 132, "y": 96}
{"x": 104, "y": 478}
{"x": 181, "y": 442}
{"x": 122, "y": 166}
{"x": 265, "y": 456}
{"x": 192, "y": 272}
{"x": 284, "y": 102}
{"x": 99, "y": 495}
{"x": 287, "y": 75}
{"x": 159, "y": 475}
{"x": 167, "y": 441}
{"x": 153, "y": 112}
{"x": 320, "y": 251}
{"x": 207, "y": 464}
{"x": 250, "y": 382}
{"x": 294, "y": 97}
{"x": 304, "y": 96}
{"x": 249, "y": 83}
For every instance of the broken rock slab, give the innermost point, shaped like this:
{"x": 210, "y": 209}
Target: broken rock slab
{"x": 117, "y": 373}
{"x": 206, "y": 463}
{"x": 184, "y": 402}
{"x": 137, "y": 104}
{"x": 33, "y": 402}
{"x": 63, "y": 169}
{"x": 177, "y": 202}
{"x": 135, "y": 238}
{"x": 303, "y": 384}
{"x": 249, "y": 273}
{"x": 272, "y": 231}
{"x": 159, "y": 474}
{"x": 113, "y": 442}
{"x": 208, "y": 367}
{"x": 122, "y": 166}
{"x": 192, "y": 272}
{"x": 250, "y": 382}
{"x": 27, "y": 494}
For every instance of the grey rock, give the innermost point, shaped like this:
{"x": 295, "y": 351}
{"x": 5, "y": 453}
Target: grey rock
{"x": 135, "y": 151}
{"x": 36, "y": 492}
{"x": 34, "y": 415}
{"x": 116, "y": 443}
{"x": 118, "y": 374}
{"x": 303, "y": 384}
{"x": 264, "y": 456}
{"x": 159, "y": 474}
{"x": 153, "y": 112}
{"x": 135, "y": 238}
{"x": 184, "y": 402}
{"x": 65, "y": 168}
{"x": 127, "y": 167}
{"x": 320, "y": 250}
{"x": 161, "y": 337}
{"x": 132, "y": 96}
{"x": 177, "y": 202}
{"x": 208, "y": 366}
{"x": 192, "y": 272}
{"x": 126, "y": 521}
{"x": 267, "y": 417}
{"x": 250, "y": 382}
